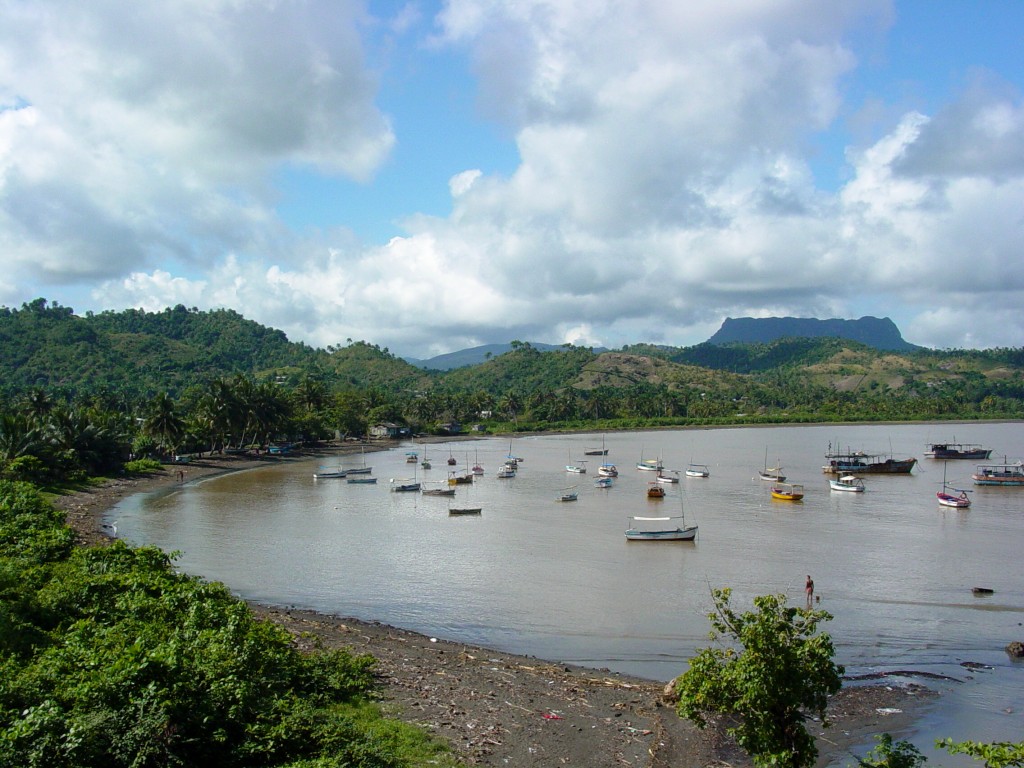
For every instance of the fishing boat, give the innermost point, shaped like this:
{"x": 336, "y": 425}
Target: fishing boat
{"x": 328, "y": 472}
{"x": 411, "y": 457}
{"x": 668, "y": 476}
{"x": 569, "y": 494}
{"x": 608, "y": 470}
{"x": 507, "y": 470}
{"x": 454, "y": 478}
{"x": 861, "y": 463}
{"x": 465, "y": 510}
{"x": 787, "y": 491}
{"x": 603, "y": 482}
{"x": 452, "y": 461}
{"x": 477, "y": 468}
{"x": 602, "y": 451}
{"x": 850, "y": 483}
{"x": 425, "y": 464}
{"x": 698, "y": 470}
{"x": 957, "y": 451}
{"x": 1001, "y": 475}
{"x": 655, "y": 491}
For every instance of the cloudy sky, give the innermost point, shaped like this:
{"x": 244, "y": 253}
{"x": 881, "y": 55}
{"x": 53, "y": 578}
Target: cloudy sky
{"x": 438, "y": 174}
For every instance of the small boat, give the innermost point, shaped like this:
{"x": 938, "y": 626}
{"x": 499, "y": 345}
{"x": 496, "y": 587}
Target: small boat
{"x": 771, "y": 474}
{"x": 507, "y": 470}
{"x": 655, "y": 491}
{"x": 668, "y": 530}
{"x": 1001, "y": 475}
{"x": 957, "y": 451}
{"x": 411, "y": 457}
{"x": 602, "y": 451}
{"x": 457, "y": 479}
{"x": 404, "y": 486}
{"x": 650, "y": 465}
{"x": 569, "y": 494}
{"x": 787, "y": 491}
{"x": 847, "y": 483}
{"x": 698, "y": 470}
{"x": 958, "y": 498}
{"x": 438, "y": 491}
{"x": 362, "y": 480}
{"x": 465, "y": 510}
{"x": 328, "y": 472}
{"x": 861, "y": 463}
{"x": 362, "y": 469}
{"x": 603, "y": 482}
{"x": 668, "y": 479}
{"x": 608, "y": 470}
{"x": 577, "y": 469}
{"x": 950, "y": 496}
{"x": 477, "y": 469}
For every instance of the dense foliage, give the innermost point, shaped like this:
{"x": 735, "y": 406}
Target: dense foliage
{"x": 777, "y": 671}
{"x": 109, "y": 657}
{"x": 79, "y": 396}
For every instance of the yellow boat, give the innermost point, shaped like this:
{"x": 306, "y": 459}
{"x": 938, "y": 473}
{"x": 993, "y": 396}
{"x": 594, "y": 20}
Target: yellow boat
{"x": 787, "y": 492}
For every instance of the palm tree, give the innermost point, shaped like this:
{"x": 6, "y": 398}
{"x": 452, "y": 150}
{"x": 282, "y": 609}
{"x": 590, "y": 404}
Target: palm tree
{"x": 163, "y": 424}
{"x": 18, "y": 437}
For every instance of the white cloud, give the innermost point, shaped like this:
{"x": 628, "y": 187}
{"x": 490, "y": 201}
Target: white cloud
{"x": 663, "y": 184}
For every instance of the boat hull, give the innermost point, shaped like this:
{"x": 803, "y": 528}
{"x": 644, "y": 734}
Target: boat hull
{"x": 951, "y": 452}
{"x": 948, "y": 500}
{"x": 887, "y": 467}
{"x": 999, "y": 475}
{"x": 676, "y": 534}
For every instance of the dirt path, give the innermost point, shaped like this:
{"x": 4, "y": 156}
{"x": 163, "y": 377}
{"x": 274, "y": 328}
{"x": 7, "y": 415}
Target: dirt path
{"x": 498, "y": 709}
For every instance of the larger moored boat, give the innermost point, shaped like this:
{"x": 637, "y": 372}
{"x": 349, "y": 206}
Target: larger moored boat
{"x": 957, "y": 451}
{"x": 860, "y": 463}
{"x": 999, "y": 474}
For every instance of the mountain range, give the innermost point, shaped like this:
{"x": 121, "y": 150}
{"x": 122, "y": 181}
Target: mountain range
{"x": 878, "y": 333}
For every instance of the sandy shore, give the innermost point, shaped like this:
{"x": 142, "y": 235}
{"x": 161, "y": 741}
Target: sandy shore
{"x": 499, "y": 709}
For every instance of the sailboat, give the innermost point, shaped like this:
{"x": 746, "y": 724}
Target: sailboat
{"x": 661, "y": 528}
{"x": 602, "y": 451}
{"x": 950, "y": 496}
{"x": 771, "y": 474}
{"x": 361, "y": 470}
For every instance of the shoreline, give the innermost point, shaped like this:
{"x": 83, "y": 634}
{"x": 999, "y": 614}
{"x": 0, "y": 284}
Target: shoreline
{"x": 499, "y": 709}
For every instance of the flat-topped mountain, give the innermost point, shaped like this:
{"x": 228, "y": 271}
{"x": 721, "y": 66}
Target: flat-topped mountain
{"x": 879, "y": 333}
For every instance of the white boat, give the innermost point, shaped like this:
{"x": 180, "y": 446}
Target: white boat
{"x": 603, "y": 482}
{"x": 507, "y": 470}
{"x": 850, "y": 483}
{"x": 327, "y": 472}
{"x": 950, "y": 496}
{"x": 650, "y": 465}
{"x": 698, "y": 470}
{"x": 668, "y": 476}
{"x": 608, "y": 470}
{"x": 577, "y": 469}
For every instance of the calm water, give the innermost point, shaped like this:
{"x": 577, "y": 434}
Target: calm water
{"x": 559, "y": 581}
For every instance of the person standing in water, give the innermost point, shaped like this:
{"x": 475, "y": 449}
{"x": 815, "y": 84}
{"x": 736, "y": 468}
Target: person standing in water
{"x": 809, "y": 590}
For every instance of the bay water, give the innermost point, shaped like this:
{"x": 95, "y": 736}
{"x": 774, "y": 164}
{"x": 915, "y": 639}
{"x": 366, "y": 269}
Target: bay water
{"x": 559, "y": 581}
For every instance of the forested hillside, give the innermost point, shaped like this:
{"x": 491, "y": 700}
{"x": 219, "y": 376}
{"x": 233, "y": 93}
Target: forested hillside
{"x": 81, "y": 394}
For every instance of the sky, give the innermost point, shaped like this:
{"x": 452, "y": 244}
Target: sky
{"x": 434, "y": 175}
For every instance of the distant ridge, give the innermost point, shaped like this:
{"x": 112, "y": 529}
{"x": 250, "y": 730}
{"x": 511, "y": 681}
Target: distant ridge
{"x": 879, "y": 333}
{"x": 472, "y": 356}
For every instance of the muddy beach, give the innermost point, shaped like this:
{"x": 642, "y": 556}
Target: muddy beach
{"x": 499, "y": 709}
